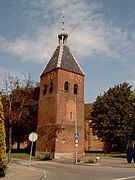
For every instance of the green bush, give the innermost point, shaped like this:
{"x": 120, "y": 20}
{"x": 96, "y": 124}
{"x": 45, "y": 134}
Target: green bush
{"x": 91, "y": 161}
{"x": 45, "y": 156}
{"x": 2, "y": 142}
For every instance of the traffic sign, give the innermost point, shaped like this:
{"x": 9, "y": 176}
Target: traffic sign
{"x": 76, "y": 135}
{"x": 33, "y": 136}
{"x": 76, "y": 141}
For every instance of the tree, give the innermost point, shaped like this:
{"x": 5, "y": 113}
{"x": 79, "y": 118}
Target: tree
{"x": 25, "y": 114}
{"x": 20, "y": 107}
{"x": 2, "y": 141}
{"x": 114, "y": 116}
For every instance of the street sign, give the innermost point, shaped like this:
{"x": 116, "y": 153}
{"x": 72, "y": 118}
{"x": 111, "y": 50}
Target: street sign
{"x": 33, "y": 136}
{"x": 76, "y": 135}
{"x": 76, "y": 141}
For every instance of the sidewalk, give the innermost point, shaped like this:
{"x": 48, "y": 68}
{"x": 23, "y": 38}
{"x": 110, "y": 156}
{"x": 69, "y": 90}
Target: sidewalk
{"x": 22, "y": 172}
{"x": 103, "y": 161}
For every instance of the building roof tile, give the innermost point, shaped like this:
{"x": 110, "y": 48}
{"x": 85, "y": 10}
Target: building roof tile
{"x": 64, "y": 59}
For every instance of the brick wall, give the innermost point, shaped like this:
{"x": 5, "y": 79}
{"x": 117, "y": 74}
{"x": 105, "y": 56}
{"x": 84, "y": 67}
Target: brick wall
{"x": 61, "y": 108}
{"x": 91, "y": 142}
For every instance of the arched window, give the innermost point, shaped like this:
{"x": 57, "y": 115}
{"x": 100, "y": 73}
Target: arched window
{"x": 66, "y": 86}
{"x": 75, "y": 89}
{"x": 51, "y": 87}
{"x": 45, "y": 89}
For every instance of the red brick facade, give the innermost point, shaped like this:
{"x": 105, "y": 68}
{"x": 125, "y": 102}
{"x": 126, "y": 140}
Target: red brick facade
{"x": 92, "y": 143}
{"x": 61, "y": 111}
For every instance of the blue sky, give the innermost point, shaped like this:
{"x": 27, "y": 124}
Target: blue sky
{"x": 103, "y": 42}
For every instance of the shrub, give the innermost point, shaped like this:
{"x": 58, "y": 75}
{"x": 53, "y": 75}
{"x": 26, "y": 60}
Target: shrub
{"x": 91, "y": 161}
{"x": 2, "y": 142}
{"x": 45, "y": 156}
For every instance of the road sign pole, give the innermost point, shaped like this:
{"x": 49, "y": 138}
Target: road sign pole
{"x": 76, "y": 157}
{"x": 76, "y": 134}
{"x": 30, "y": 153}
{"x": 32, "y": 137}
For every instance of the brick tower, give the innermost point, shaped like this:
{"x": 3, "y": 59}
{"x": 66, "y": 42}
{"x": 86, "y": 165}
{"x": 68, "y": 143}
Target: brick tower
{"x": 61, "y": 104}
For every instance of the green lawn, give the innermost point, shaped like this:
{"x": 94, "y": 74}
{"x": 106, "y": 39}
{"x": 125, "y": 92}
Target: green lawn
{"x": 20, "y": 155}
{"x": 26, "y": 156}
{"x": 122, "y": 155}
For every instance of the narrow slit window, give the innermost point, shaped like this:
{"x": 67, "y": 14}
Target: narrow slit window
{"x": 66, "y": 86}
{"x": 51, "y": 87}
{"x": 70, "y": 115}
{"x": 75, "y": 89}
{"x": 45, "y": 89}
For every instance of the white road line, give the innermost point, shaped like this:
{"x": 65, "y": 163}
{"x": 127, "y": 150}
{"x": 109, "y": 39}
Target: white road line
{"x": 125, "y": 178}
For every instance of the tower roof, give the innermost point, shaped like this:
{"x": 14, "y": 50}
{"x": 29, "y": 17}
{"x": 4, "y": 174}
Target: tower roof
{"x": 63, "y": 59}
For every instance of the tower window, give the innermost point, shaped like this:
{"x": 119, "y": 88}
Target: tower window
{"x": 75, "y": 89}
{"x": 70, "y": 115}
{"x": 51, "y": 87}
{"x": 66, "y": 86}
{"x": 45, "y": 89}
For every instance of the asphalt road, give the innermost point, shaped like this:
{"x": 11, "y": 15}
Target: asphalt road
{"x": 56, "y": 171}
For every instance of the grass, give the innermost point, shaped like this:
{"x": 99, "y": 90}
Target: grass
{"x": 27, "y": 156}
{"x": 20, "y": 155}
{"x": 122, "y": 155}
{"x": 89, "y": 154}
{"x": 116, "y": 154}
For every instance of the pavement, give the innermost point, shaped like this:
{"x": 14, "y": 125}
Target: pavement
{"x": 102, "y": 161}
{"x": 21, "y": 171}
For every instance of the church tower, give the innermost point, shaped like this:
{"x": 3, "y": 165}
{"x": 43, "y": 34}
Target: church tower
{"x": 61, "y": 104}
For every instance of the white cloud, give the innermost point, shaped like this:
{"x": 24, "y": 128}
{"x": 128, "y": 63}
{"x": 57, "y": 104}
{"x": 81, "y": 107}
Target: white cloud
{"x": 93, "y": 36}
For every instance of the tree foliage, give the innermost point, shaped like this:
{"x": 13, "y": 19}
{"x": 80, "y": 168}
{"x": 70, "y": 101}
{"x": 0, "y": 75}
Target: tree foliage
{"x": 114, "y": 116}
{"x": 2, "y": 139}
{"x": 20, "y": 101}
{"x": 24, "y": 113}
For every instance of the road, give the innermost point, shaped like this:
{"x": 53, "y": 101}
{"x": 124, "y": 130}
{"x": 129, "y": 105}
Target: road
{"x": 56, "y": 171}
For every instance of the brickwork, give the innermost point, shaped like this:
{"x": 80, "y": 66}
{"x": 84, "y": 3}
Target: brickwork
{"x": 62, "y": 108}
{"x": 92, "y": 142}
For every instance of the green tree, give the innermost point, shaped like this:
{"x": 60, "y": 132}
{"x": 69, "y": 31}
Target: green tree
{"x": 2, "y": 141}
{"x": 113, "y": 116}
{"x": 25, "y": 114}
{"x": 20, "y": 102}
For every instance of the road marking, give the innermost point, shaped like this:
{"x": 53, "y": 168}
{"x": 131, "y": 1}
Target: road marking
{"x": 131, "y": 177}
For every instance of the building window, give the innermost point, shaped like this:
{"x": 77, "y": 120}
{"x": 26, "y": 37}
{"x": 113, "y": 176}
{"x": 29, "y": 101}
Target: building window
{"x": 75, "y": 89}
{"x": 45, "y": 89}
{"x": 66, "y": 86}
{"x": 51, "y": 87}
{"x": 70, "y": 115}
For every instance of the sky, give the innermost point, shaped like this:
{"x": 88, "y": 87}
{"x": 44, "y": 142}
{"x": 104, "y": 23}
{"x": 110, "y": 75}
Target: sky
{"x": 101, "y": 37}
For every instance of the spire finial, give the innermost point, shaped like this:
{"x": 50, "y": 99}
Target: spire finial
{"x": 63, "y": 35}
{"x": 63, "y": 20}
